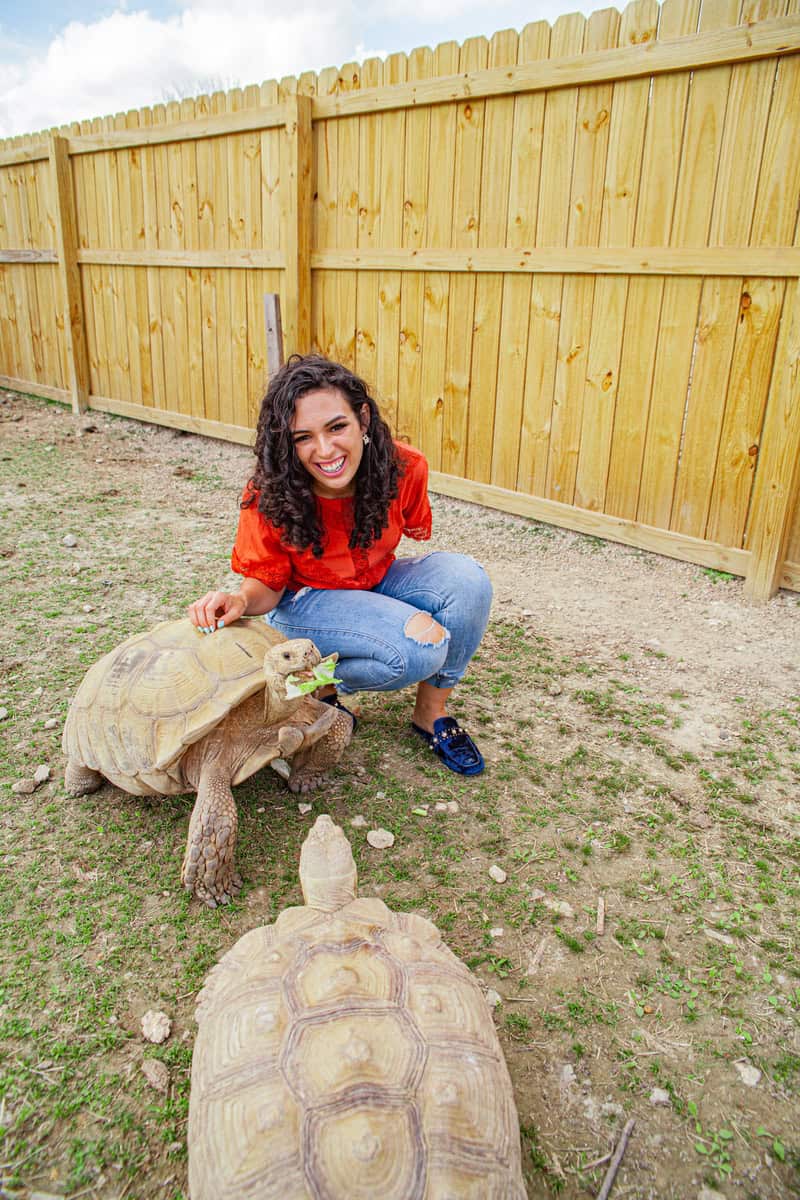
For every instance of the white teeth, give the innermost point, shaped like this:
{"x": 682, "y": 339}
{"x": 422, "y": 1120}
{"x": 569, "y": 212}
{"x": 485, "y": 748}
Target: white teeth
{"x": 331, "y": 468}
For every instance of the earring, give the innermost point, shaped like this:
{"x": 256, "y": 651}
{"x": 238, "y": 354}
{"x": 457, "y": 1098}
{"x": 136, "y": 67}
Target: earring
{"x": 366, "y": 439}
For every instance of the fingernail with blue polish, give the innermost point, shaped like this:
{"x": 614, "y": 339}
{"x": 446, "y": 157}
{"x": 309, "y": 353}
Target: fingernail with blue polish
{"x": 220, "y": 624}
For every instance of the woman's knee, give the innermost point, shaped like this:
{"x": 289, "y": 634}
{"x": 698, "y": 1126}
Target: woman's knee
{"x": 424, "y": 629}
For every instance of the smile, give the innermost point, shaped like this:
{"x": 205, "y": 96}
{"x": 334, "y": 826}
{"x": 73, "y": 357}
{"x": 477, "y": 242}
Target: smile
{"x": 332, "y": 468}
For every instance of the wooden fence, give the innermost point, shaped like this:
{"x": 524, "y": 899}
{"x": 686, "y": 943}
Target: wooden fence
{"x": 567, "y": 260}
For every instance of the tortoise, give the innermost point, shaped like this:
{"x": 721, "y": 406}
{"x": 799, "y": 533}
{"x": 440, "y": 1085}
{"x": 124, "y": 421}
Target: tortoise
{"x": 345, "y": 1052}
{"x": 172, "y": 710}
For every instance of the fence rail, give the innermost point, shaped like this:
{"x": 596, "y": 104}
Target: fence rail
{"x": 567, "y": 260}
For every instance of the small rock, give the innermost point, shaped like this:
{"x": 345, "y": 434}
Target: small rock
{"x": 707, "y": 1193}
{"x": 380, "y": 839}
{"x": 610, "y": 1109}
{"x": 496, "y": 931}
{"x": 88, "y": 608}
{"x": 441, "y": 806}
{"x": 41, "y": 774}
{"x": 45, "y": 1196}
{"x": 51, "y": 722}
{"x": 303, "y": 809}
{"x": 452, "y": 806}
{"x": 380, "y": 795}
{"x": 717, "y": 936}
{"x": 70, "y": 540}
{"x": 280, "y": 767}
{"x": 560, "y": 907}
{"x": 36, "y": 693}
{"x": 358, "y": 822}
{"x": 554, "y": 689}
{"x": 567, "y": 1077}
{"x": 23, "y": 787}
{"x": 3, "y": 714}
{"x": 156, "y": 1026}
{"x": 156, "y": 1074}
{"x": 493, "y": 998}
{"x": 659, "y": 1096}
{"x": 748, "y": 1074}
{"x": 497, "y": 873}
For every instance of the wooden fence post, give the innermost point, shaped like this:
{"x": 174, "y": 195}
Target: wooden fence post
{"x": 777, "y": 483}
{"x": 69, "y": 273}
{"x": 272, "y": 320}
{"x": 296, "y": 221}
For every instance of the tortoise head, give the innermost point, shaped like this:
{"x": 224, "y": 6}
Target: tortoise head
{"x": 296, "y": 657}
{"x": 328, "y": 873}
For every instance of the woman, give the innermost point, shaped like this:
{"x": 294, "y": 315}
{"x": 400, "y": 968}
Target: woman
{"x": 319, "y": 522}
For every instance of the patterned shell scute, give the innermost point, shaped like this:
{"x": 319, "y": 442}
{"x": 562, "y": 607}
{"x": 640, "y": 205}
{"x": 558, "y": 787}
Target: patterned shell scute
{"x": 377, "y": 1052}
{"x": 157, "y": 693}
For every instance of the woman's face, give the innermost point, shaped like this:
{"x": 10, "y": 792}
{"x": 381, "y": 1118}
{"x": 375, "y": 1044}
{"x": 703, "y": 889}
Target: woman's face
{"x": 327, "y": 439}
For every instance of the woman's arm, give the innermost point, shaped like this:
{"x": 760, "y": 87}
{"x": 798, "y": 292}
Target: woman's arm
{"x": 223, "y": 608}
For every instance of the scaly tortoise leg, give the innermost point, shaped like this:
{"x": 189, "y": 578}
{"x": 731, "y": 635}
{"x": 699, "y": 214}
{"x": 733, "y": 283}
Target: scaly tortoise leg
{"x": 80, "y": 780}
{"x": 312, "y": 763}
{"x": 208, "y": 868}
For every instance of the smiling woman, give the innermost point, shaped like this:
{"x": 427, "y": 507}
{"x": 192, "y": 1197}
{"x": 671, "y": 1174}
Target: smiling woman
{"x": 321, "y": 517}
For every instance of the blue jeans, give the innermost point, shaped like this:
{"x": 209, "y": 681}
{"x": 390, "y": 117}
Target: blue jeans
{"x": 368, "y": 628}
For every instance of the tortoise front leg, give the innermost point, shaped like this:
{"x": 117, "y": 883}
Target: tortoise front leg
{"x": 316, "y": 757}
{"x": 80, "y": 780}
{"x": 208, "y": 868}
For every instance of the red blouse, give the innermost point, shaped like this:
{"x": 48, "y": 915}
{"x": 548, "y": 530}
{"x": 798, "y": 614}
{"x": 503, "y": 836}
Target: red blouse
{"x": 260, "y": 553}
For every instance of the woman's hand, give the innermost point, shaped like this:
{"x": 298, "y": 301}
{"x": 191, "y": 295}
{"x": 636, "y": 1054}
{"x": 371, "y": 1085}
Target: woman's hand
{"x": 216, "y": 609}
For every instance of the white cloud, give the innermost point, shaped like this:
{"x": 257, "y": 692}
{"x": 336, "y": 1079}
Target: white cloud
{"x": 131, "y": 59}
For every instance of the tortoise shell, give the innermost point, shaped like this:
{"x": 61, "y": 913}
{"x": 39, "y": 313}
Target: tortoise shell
{"x": 349, "y": 1055}
{"x": 140, "y": 706}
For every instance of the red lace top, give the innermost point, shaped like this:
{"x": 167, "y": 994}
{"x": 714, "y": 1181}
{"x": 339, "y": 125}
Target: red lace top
{"x": 260, "y": 553}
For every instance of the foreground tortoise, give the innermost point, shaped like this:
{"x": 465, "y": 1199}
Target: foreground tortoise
{"x": 172, "y": 710}
{"x": 344, "y": 1052}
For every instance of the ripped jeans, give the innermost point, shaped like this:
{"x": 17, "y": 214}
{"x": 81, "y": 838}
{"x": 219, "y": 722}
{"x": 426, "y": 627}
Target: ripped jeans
{"x": 377, "y": 653}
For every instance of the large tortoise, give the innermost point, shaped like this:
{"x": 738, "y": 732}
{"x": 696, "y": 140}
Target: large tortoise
{"x": 173, "y": 710}
{"x": 344, "y": 1052}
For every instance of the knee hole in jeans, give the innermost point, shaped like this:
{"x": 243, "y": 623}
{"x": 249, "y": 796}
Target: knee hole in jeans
{"x": 423, "y": 629}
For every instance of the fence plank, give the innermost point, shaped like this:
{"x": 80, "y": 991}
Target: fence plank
{"x": 326, "y": 158}
{"x": 414, "y": 227}
{"x": 680, "y": 298}
{"x": 461, "y": 303}
{"x": 226, "y": 406}
{"x": 191, "y": 240}
{"x": 347, "y": 221}
{"x": 510, "y": 444}
{"x": 570, "y": 423}
{"x": 642, "y": 296}
{"x": 760, "y": 304}
{"x": 436, "y": 294}
{"x": 498, "y": 128}
{"x": 556, "y": 324}
{"x": 719, "y": 299}
{"x": 775, "y": 498}
{"x": 369, "y": 207}
{"x": 67, "y": 244}
{"x": 390, "y": 232}
{"x": 207, "y": 218}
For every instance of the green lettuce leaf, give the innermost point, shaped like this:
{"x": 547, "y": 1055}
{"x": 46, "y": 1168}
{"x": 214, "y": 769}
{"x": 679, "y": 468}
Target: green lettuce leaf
{"x": 323, "y": 674}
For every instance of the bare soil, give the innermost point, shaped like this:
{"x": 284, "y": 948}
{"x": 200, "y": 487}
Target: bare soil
{"x": 640, "y": 722}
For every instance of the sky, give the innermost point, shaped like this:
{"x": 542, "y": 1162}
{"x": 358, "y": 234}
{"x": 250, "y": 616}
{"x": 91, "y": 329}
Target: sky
{"x": 62, "y": 61}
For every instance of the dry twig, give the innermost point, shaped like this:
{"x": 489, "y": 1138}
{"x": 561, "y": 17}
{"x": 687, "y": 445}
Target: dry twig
{"x": 613, "y": 1167}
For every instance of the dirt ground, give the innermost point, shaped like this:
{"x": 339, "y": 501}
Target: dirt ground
{"x": 640, "y": 723}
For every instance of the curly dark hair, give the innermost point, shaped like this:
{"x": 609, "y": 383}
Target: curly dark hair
{"x": 285, "y": 494}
